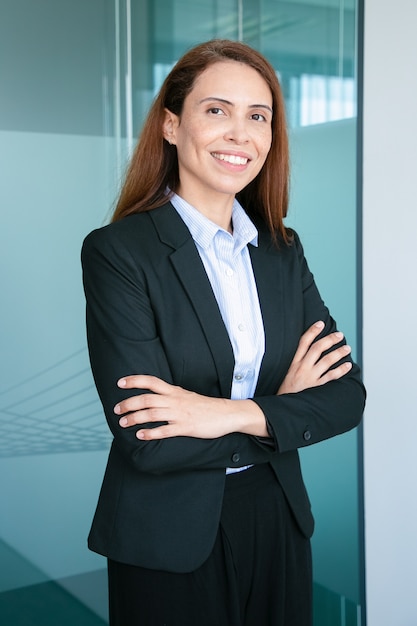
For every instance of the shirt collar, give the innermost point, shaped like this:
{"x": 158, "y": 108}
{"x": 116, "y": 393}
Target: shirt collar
{"x": 204, "y": 230}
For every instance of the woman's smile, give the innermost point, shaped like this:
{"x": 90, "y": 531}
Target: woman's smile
{"x": 233, "y": 159}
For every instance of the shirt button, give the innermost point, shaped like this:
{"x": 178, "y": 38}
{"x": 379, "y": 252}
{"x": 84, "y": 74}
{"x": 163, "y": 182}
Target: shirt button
{"x": 238, "y": 377}
{"x": 236, "y": 457}
{"x": 229, "y": 272}
{"x": 242, "y": 327}
{"x": 306, "y": 435}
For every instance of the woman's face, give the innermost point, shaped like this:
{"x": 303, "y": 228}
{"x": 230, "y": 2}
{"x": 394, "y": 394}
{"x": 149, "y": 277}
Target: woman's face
{"x": 224, "y": 133}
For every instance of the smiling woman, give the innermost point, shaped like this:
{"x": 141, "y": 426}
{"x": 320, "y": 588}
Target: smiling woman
{"x": 215, "y": 360}
{"x": 154, "y": 165}
{"x": 222, "y": 137}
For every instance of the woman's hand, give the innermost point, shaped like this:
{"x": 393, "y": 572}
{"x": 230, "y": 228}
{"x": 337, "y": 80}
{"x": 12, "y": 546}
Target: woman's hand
{"x": 309, "y": 368}
{"x": 185, "y": 413}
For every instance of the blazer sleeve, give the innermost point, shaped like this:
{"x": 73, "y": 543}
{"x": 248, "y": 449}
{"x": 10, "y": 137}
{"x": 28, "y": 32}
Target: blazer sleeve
{"x": 123, "y": 339}
{"x": 307, "y": 417}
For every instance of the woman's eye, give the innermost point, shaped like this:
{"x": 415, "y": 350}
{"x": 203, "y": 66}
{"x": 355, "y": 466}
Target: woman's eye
{"x": 216, "y": 111}
{"x": 258, "y": 117}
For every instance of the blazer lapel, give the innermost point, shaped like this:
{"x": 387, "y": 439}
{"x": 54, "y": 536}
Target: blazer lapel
{"x": 267, "y": 269}
{"x": 192, "y": 275}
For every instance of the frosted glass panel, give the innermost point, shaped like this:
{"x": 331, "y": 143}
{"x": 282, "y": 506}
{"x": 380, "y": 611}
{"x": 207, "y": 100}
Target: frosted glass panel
{"x": 59, "y": 174}
{"x": 323, "y": 212}
{"x": 53, "y": 440}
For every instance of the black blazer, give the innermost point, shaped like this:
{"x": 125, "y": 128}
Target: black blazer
{"x": 151, "y": 310}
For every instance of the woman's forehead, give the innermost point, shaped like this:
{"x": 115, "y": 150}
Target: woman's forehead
{"x": 232, "y": 80}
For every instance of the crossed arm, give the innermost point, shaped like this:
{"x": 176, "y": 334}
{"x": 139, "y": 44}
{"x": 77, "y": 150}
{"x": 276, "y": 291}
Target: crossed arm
{"x": 190, "y": 414}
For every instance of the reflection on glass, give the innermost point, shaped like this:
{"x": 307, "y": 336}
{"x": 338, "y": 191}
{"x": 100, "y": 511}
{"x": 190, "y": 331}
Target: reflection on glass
{"x": 311, "y": 45}
{"x": 317, "y": 99}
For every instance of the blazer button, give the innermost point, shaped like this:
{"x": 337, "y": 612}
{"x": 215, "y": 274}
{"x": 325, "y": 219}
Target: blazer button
{"x": 306, "y": 435}
{"x": 236, "y": 457}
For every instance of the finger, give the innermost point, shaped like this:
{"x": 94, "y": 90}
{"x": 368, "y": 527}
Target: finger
{"x": 307, "y": 339}
{"x": 152, "y": 434}
{"x": 141, "y": 403}
{"x": 329, "y": 360}
{"x": 144, "y": 381}
{"x": 140, "y": 417}
{"x": 323, "y": 345}
{"x": 336, "y": 373}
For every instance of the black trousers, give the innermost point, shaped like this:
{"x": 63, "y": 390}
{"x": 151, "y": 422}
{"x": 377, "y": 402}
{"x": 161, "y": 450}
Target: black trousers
{"x": 258, "y": 574}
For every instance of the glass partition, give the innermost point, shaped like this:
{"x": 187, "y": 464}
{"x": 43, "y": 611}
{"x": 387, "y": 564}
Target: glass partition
{"x": 59, "y": 172}
{"x": 77, "y": 80}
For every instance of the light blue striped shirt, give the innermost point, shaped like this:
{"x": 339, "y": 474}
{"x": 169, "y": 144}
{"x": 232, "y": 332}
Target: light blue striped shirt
{"x": 227, "y": 262}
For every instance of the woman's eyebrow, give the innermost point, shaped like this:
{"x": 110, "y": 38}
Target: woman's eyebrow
{"x": 251, "y": 106}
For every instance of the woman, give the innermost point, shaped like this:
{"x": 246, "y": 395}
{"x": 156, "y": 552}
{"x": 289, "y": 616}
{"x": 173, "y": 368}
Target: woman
{"x": 214, "y": 357}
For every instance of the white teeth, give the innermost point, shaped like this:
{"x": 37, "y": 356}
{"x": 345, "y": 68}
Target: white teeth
{"x": 231, "y": 158}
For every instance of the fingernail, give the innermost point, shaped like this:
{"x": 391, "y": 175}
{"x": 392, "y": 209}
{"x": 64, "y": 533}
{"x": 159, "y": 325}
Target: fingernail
{"x": 347, "y": 349}
{"x": 123, "y": 421}
{"x": 117, "y": 408}
{"x": 140, "y": 434}
{"x": 339, "y": 335}
{"x": 319, "y": 324}
{"x": 121, "y": 382}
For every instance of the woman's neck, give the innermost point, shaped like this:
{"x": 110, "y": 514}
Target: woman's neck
{"x": 217, "y": 209}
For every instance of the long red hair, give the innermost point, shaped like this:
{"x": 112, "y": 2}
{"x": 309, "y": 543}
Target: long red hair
{"x": 154, "y": 164}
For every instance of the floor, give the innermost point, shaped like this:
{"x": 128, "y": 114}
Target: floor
{"x": 29, "y": 598}
{"x": 44, "y": 604}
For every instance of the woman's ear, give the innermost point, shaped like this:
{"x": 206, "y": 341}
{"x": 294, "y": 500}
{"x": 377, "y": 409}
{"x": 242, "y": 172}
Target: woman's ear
{"x": 169, "y": 127}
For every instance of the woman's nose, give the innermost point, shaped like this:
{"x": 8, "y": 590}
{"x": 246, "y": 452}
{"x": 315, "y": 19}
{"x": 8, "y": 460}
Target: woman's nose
{"x": 237, "y": 131}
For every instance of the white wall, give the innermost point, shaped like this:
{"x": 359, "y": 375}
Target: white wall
{"x": 390, "y": 310}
